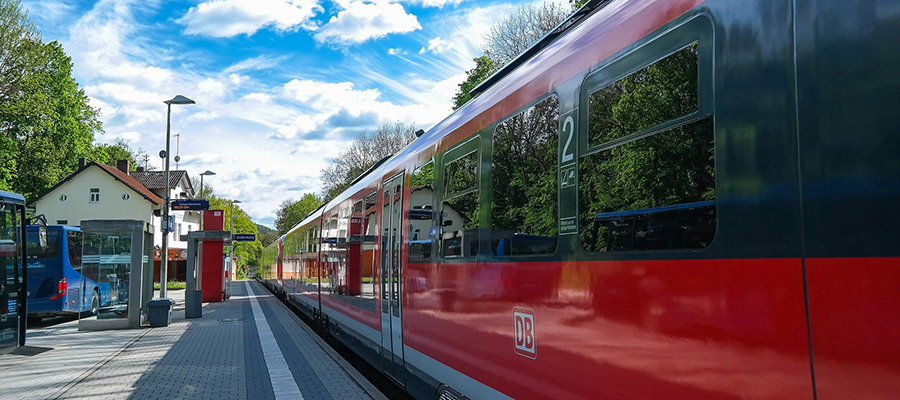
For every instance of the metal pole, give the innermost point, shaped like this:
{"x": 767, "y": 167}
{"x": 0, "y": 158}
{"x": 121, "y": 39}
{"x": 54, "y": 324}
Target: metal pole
{"x": 201, "y": 196}
{"x": 232, "y": 233}
{"x": 164, "y": 257}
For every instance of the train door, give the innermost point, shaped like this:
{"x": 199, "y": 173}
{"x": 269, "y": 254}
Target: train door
{"x": 391, "y": 277}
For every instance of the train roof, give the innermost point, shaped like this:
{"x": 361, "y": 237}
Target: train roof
{"x": 549, "y": 62}
{"x": 576, "y": 18}
{"x": 11, "y": 197}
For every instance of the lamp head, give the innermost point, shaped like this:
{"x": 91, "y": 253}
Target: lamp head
{"x": 179, "y": 99}
{"x": 235, "y": 202}
{"x": 208, "y": 173}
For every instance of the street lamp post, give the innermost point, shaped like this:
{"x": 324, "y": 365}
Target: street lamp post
{"x": 233, "y": 202}
{"x": 164, "y": 257}
{"x": 207, "y": 173}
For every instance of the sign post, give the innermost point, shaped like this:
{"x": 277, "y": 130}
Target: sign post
{"x": 192, "y": 204}
{"x": 243, "y": 237}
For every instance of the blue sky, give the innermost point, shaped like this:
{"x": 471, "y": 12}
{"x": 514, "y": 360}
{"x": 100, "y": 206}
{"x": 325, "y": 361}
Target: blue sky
{"x": 280, "y": 85}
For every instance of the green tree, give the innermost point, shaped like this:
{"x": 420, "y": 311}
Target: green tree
{"x": 247, "y": 252}
{"x": 362, "y": 154}
{"x": 19, "y": 40}
{"x": 266, "y": 235}
{"x": 507, "y": 39}
{"x": 292, "y": 212}
{"x": 48, "y": 124}
{"x": 484, "y": 68}
{"x": 109, "y": 154}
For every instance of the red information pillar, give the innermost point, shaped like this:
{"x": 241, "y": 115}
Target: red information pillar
{"x": 213, "y": 267}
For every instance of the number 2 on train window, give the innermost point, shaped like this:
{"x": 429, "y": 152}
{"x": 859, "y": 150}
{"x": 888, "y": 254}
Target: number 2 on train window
{"x": 568, "y": 130}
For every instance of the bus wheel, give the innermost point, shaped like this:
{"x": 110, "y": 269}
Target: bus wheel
{"x": 95, "y": 303}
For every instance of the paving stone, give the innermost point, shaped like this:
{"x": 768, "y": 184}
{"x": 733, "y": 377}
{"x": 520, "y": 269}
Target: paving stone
{"x": 216, "y": 357}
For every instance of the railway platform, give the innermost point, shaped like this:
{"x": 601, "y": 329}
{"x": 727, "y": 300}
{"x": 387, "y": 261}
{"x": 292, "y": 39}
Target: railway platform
{"x": 249, "y": 347}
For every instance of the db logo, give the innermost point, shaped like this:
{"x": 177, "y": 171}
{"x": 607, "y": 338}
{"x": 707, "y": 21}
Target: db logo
{"x": 523, "y": 321}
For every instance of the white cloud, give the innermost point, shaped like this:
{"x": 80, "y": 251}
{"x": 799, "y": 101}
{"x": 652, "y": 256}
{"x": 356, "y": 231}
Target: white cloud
{"x": 361, "y": 21}
{"x": 258, "y": 97}
{"x": 329, "y": 96}
{"x": 396, "y": 52}
{"x": 437, "y": 46}
{"x": 435, "y": 3}
{"x": 228, "y": 18}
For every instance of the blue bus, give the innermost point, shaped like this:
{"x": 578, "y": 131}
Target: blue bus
{"x": 59, "y": 281}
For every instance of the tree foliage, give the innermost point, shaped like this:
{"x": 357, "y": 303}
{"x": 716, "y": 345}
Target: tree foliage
{"x": 247, "y": 252}
{"x": 362, "y": 154}
{"x": 521, "y": 29}
{"x": 507, "y": 39}
{"x": 292, "y": 212}
{"x": 672, "y": 167}
{"x": 484, "y": 68}
{"x": 46, "y": 124}
{"x": 110, "y": 154}
{"x": 19, "y": 40}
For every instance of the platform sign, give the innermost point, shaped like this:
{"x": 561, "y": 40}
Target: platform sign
{"x": 168, "y": 225}
{"x": 192, "y": 204}
{"x": 523, "y": 324}
{"x": 243, "y": 237}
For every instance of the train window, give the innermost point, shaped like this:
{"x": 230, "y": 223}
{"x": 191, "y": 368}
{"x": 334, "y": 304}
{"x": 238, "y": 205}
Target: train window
{"x": 654, "y": 193}
{"x": 647, "y": 180}
{"x": 421, "y": 214}
{"x": 524, "y": 196}
{"x": 368, "y": 245}
{"x": 659, "y": 92}
{"x": 459, "y": 209}
{"x": 461, "y": 174}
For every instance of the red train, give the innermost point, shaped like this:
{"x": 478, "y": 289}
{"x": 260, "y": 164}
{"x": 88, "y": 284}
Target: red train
{"x": 662, "y": 199}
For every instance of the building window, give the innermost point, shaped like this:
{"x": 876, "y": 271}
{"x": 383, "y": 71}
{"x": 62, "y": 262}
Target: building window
{"x": 62, "y": 222}
{"x": 125, "y": 196}
{"x": 95, "y": 195}
{"x": 63, "y": 197}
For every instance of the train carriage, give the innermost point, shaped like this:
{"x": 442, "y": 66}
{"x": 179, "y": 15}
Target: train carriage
{"x": 673, "y": 199}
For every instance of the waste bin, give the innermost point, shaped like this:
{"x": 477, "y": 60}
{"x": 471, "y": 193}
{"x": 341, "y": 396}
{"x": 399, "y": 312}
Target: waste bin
{"x": 159, "y": 312}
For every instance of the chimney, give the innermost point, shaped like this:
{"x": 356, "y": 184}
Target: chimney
{"x": 122, "y": 165}
{"x": 82, "y": 162}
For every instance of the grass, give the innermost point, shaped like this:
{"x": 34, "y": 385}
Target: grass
{"x": 172, "y": 285}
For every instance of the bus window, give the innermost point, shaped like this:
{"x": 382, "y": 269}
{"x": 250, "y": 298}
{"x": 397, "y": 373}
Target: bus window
{"x": 75, "y": 240}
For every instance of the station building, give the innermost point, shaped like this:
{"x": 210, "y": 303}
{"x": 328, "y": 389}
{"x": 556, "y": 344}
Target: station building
{"x": 99, "y": 191}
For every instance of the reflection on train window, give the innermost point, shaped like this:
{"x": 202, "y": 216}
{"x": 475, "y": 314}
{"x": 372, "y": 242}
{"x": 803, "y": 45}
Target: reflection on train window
{"x": 355, "y": 275}
{"x": 660, "y": 92}
{"x": 459, "y": 209}
{"x": 654, "y": 193}
{"x": 461, "y": 174}
{"x": 460, "y": 221}
{"x": 421, "y": 214}
{"x": 524, "y": 193}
